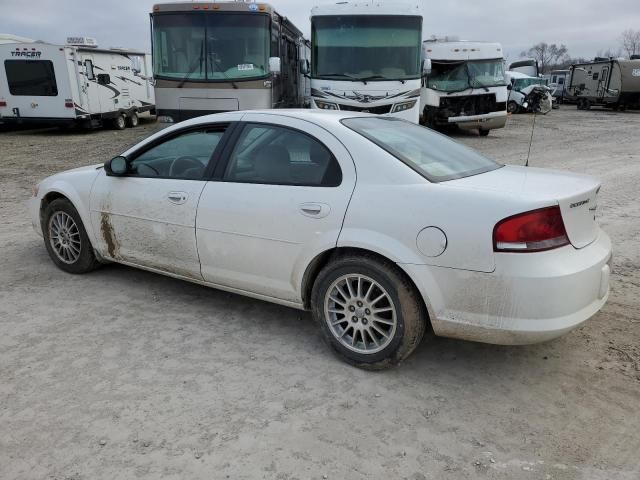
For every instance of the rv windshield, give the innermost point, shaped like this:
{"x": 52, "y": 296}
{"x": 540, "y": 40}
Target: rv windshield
{"x": 456, "y": 76}
{"x": 366, "y": 47}
{"x": 210, "y": 46}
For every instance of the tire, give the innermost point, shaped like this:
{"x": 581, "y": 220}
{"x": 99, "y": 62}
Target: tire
{"x": 133, "y": 120}
{"x": 483, "y": 132}
{"x": 61, "y": 217}
{"x": 120, "y": 122}
{"x": 512, "y": 107}
{"x": 580, "y": 104}
{"x": 354, "y": 335}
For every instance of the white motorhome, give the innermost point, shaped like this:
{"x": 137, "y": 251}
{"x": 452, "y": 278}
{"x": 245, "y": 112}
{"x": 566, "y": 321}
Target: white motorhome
{"x": 529, "y": 67}
{"x": 73, "y": 84}
{"x": 225, "y": 56}
{"x": 465, "y": 85}
{"x": 366, "y": 57}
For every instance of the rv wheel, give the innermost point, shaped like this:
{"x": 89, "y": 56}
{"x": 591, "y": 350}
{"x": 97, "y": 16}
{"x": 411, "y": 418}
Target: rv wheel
{"x": 120, "y": 122}
{"x": 580, "y": 104}
{"x": 133, "y": 120}
{"x": 483, "y": 132}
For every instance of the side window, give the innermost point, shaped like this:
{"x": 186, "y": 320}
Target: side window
{"x": 595, "y": 76}
{"x": 185, "y": 156}
{"x": 281, "y": 156}
{"x": 561, "y": 81}
{"x": 88, "y": 70}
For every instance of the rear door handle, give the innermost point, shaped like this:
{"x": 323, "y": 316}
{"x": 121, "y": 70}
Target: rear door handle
{"x": 177, "y": 198}
{"x": 315, "y": 210}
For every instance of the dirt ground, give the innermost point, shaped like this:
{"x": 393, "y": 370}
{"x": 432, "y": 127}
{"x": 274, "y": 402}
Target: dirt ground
{"x": 125, "y": 374}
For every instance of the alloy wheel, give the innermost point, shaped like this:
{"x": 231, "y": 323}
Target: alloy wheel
{"x": 64, "y": 236}
{"x": 360, "y": 314}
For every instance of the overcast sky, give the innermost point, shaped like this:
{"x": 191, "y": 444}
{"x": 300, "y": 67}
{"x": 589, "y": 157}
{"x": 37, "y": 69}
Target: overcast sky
{"x": 585, "y": 26}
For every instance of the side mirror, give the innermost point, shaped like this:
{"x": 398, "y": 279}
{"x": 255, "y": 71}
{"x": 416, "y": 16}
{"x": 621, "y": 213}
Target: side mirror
{"x": 274, "y": 65}
{"x": 116, "y": 167}
{"x": 304, "y": 66}
{"x": 426, "y": 66}
{"x": 104, "y": 79}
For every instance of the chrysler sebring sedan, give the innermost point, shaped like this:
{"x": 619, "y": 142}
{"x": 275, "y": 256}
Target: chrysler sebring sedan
{"x": 384, "y": 229}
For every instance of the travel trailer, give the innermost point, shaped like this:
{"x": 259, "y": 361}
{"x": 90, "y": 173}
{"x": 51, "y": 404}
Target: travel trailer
{"x": 528, "y": 67}
{"x": 366, "y": 57}
{"x": 73, "y": 84}
{"x": 558, "y": 82}
{"x": 465, "y": 85}
{"x": 224, "y": 56}
{"x": 612, "y": 83}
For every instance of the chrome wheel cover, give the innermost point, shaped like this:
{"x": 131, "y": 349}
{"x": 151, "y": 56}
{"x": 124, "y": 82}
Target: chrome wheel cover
{"x": 64, "y": 237}
{"x": 360, "y": 314}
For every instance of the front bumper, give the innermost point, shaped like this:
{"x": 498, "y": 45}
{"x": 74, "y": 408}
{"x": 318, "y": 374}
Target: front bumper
{"x": 529, "y": 298}
{"x": 487, "y": 121}
{"x": 34, "y": 212}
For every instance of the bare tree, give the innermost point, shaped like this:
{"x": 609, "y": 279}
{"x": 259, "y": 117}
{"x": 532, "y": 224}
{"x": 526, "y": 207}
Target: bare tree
{"x": 609, "y": 53}
{"x": 547, "y": 54}
{"x": 631, "y": 42}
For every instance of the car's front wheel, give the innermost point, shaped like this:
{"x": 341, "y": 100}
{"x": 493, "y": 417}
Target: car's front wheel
{"x": 369, "y": 311}
{"x": 66, "y": 239}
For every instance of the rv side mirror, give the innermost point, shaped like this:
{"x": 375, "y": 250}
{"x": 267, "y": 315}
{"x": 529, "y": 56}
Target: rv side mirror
{"x": 304, "y": 66}
{"x": 274, "y": 65}
{"x": 116, "y": 167}
{"x": 104, "y": 79}
{"x": 426, "y": 66}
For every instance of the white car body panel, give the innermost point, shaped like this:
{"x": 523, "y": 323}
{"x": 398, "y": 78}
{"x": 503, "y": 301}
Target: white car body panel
{"x": 257, "y": 238}
{"x": 253, "y": 239}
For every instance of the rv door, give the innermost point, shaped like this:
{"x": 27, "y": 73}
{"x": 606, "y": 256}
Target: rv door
{"x": 90, "y": 84}
{"x": 602, "y": 84}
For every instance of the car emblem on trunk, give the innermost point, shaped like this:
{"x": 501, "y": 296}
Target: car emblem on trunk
{"x": 579, "y": 204}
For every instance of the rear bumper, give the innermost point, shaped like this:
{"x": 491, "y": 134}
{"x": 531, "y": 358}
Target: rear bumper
{"x": 529, "y": 298}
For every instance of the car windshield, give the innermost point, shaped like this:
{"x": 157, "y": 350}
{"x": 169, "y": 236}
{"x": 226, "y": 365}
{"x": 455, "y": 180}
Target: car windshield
{"x": 371, "y": 47}
{"x": 458, "y": 76}
{"x": 521, "y": 83}
{"x": 432, "y": 155}
{"x": 210, "y": 46}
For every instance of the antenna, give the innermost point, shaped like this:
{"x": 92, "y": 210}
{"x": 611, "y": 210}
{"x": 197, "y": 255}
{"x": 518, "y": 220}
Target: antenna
{"x": 533, "y": 128}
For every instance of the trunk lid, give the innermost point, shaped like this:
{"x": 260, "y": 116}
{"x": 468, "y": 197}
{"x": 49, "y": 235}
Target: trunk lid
{"x": 576, "y": 195}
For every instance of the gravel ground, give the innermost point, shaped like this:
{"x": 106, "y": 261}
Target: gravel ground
{"x": 126, "y": 374}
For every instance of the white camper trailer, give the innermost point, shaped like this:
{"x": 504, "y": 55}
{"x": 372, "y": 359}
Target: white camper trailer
{"x": 73, "y": 84}
{"x": 365, "y": 57}
{"x": 464, "y": 85}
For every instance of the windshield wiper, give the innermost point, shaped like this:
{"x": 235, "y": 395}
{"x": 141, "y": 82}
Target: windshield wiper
{"x": 342, "y": 75}
{"x": 380, "y": 77}
{"x": 481, "y": 85}
{"x": 194, "y": 67}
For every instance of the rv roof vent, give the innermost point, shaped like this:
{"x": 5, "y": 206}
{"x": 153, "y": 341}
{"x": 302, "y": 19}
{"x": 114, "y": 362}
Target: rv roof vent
{"x": 634, "y": 57}
{"x": 82, "y": 42}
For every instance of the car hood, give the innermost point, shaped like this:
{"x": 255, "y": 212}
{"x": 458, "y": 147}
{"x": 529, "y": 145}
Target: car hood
{"x": 576, "y": 194}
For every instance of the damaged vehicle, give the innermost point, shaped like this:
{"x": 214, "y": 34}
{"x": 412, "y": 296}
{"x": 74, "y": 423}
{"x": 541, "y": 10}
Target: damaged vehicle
{"x": 383, "y": 229}
{"x": 529, "y": 94}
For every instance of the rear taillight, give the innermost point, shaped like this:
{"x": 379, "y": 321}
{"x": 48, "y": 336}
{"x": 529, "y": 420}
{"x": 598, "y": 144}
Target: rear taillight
{"x": 68, "y": 103}
{"x": 532, "y": 231}
{"x": 3, "y": 103}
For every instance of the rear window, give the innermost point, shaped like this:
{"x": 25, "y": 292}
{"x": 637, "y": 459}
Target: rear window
{"x": 31, "y": 77}
{"x": 432, "y": 155}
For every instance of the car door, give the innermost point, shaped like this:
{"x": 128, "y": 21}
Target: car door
{"x": 147, "y": 217}
{"x": 278, "y": 199}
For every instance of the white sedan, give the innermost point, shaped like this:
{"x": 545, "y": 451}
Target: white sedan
{"x": 382, "y": 228}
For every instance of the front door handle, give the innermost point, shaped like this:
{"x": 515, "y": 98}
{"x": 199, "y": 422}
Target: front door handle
{"x": 315, "y": 210}
{"x": 177, "y": 198}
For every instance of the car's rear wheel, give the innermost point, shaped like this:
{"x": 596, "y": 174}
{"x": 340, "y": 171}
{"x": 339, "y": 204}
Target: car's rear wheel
{"x": 66, "y": 239}
{"x": 369, "y": 312}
